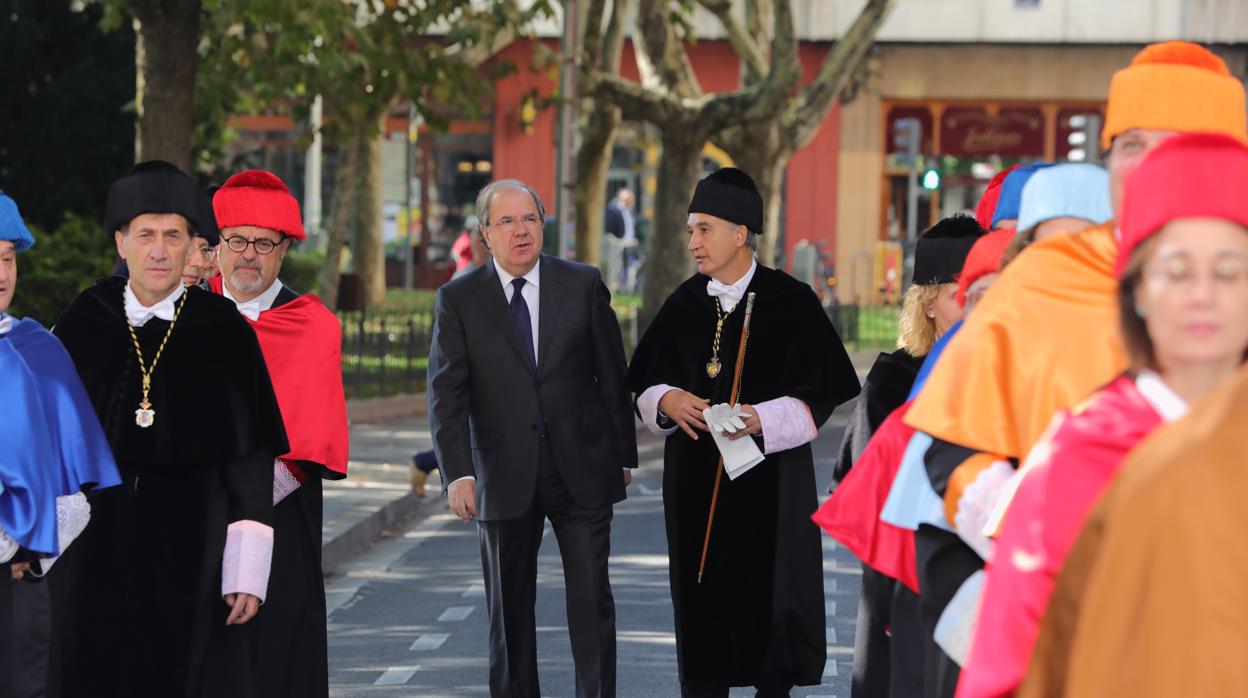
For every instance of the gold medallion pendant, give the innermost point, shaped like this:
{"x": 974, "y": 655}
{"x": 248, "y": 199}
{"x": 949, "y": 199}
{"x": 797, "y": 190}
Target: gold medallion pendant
{"x": 145, "y": 416}
{"x": 712, "y": 367}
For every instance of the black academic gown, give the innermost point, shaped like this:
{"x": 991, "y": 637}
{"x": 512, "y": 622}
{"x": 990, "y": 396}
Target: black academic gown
{"x": 889, "y": 639}
{"x": 757, "y": 618}
{"x": 139, "y": 607}
{"x": 886, "y": 388}
{"x": 944, "y": 563}
{"x": 291, "y": 628}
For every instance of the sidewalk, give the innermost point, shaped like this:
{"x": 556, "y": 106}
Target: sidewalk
{"x": 376, "y": 496}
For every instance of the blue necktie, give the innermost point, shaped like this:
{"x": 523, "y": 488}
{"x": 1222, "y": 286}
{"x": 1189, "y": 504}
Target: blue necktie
{"x": 524, "y": 321}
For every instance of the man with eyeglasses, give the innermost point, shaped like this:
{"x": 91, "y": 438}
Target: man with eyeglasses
{"x": 531, "y": 422}
{"x": 150, "y": 600}
{"x": 302, "y": 344}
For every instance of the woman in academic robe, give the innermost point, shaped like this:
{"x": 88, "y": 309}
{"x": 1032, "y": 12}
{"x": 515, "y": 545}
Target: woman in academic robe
{"x": 929, "y": 309}
{"x": 1183, "y": 270}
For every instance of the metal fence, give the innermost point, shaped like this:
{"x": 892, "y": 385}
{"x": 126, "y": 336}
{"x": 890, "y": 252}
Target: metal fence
{"x": 387, "y": 352}
{"x": 865, "y": 327}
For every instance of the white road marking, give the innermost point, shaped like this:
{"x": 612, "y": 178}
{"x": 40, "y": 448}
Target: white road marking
{"x": 829, "y": 669}
{"x": 396, "y": 676}
{"x": 428, "y": 643}
{"x": 475, "y": 590}
{"x": 455, "y": 613}
{"x": 829, "y": 608}
{"x": 831, "y": 636}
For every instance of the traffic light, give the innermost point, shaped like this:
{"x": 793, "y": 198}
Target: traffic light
{"x": 931, "y": 179}
{"x": 907, "y": 134}
{"x": 1083, "y": 138}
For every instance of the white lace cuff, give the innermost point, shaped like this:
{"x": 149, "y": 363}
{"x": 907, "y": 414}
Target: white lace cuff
{"x": 8, "y": 546}
{"x": 284, "y": 481}
{"x": 977, "y": 503}
{"x": 248, "y": 555}
{"x": 786, "y": 423}
{"x": 648, "y": 406}
{"x": 73, "y": 512}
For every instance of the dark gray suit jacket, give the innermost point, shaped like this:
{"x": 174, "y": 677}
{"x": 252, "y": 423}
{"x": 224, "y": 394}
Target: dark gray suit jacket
{"x": 486, "y": 400}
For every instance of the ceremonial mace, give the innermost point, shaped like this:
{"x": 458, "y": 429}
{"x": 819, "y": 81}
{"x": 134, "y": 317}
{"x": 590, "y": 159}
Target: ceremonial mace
{"x": 735, "y": 395}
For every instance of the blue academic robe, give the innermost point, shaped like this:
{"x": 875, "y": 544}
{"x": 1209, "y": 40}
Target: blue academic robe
{"x": 54, "y": 445}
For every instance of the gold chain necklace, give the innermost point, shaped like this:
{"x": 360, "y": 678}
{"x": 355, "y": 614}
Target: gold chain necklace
{"x": 713, "y": 366}
{"x": 145, "y": 416}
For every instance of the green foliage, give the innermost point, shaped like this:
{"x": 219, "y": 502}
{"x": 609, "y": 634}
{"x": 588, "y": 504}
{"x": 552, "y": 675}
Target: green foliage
{"x": 416, "y": 300}
{"x": 62, "y": 264}
{"x": 66, "y": 129}
{"x": 360, "y": 56}
{"x": 301, "y": 270}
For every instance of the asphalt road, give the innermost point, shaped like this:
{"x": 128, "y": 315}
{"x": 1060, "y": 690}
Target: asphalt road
{"x": 407, "y": 617}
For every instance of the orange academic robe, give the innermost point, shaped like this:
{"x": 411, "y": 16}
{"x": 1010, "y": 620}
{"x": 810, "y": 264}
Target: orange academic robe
{"x": 1044, "y": 338}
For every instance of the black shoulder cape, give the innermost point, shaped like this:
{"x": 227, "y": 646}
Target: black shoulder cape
{"x": 210, "y": 390}
{"x": 885, "y": 389}
{"x": 759, "y": 612}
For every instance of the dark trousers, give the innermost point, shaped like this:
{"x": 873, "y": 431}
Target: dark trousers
{"x": 32, "y": 638}
{"x": 509, "y": 558}
{"x": 6, "y": 630}
{"x": 944, "y": 563}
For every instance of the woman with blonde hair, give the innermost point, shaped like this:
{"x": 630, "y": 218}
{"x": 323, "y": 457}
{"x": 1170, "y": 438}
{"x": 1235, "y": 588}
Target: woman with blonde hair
{"x": 929, "y": 309}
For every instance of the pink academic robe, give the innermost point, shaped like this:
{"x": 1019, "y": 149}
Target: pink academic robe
{"x": 1063, "y": 479}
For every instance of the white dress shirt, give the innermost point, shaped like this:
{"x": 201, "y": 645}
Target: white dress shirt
{"x": 1161, "y": 397}
{"x": 138, "y": 314}
{"x": 532, "y": 283}
{"x": 251, "y": 309}
{"x": 6, "y": 323}
{"x": 731, "y": 294}
{"x": 530, "y": 295}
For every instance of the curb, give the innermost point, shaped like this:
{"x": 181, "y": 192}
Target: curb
{"x": 368, "y": 531}
{"x": 386, "y": 409}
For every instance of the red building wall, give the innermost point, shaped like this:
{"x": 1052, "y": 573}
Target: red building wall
{"x": 810, "y": 184}
{"x": 810, "y": 202}
{"x": 529, "y": 157}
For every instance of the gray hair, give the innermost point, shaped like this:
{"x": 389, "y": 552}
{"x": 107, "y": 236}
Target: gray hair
{"x": 489, "y": 190}
{"x": 751, "y": 239}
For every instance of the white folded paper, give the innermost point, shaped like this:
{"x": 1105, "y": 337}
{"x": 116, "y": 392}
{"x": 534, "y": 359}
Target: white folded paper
{"x": 739, "y": 455}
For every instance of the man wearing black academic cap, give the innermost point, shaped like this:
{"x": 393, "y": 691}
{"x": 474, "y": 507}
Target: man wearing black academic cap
{"x": 756, "y": 616}
{"x": 154, "y": 598}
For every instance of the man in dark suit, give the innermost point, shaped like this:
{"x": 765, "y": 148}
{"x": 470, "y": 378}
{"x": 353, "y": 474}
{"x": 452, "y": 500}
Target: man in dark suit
{"x": 531, "y": 421}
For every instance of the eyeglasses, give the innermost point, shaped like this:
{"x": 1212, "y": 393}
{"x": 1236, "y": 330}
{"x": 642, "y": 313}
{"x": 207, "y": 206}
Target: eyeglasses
{"x": 508, "y": 224}
{"x": 1178, "y": 272}
{"x": 238, "y": 243}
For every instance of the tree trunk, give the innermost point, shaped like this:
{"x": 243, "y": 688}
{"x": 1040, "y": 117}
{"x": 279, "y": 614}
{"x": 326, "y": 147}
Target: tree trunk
{"x": 166, "y": 61}
{"x": 762, "y": 153}
{"x": 369, "y": 251}
{"x": 592, "y": 160}
{"x": 340, "y": 215}
{"x": 667, "y": 254}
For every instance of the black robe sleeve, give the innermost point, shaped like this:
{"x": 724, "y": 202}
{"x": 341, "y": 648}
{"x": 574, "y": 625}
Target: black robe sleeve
{"x": 885, "y": 389}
